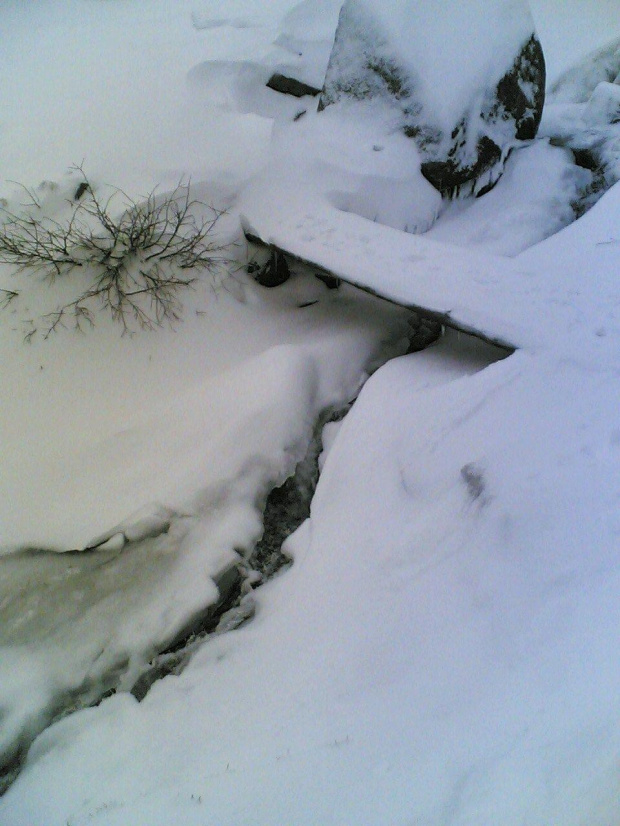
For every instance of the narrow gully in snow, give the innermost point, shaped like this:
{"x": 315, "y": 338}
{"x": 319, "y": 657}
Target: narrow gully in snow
{"x": 284, "y": 509}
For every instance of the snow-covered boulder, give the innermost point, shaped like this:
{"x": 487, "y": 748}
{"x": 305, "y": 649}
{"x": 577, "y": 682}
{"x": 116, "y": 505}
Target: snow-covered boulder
{"x": 465, "y": 81}
{"x": 583, "y": 114}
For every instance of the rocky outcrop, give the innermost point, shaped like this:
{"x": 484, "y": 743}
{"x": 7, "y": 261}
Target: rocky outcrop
{"x": 288, "y": 85}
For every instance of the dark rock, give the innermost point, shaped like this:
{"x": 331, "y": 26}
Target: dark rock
{"x": 511, "y": 113}
{"x": 275, "y": 272}
{"x": 423, "y": 332}
{"x": 520, "y": 94}
{"x": 290, "y": 86}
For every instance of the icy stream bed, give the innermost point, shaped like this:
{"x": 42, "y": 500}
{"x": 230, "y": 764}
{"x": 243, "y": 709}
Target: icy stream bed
{"x": 76, "y": 626}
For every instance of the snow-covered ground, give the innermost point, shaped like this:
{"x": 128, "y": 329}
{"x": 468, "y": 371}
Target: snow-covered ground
{"x": 444, "y": 648}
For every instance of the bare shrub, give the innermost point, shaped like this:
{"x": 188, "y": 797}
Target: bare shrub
{"x": 136, "y": 259}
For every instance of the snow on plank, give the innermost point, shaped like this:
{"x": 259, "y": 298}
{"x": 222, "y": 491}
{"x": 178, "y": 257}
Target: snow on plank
{"x": 488, "y": 296}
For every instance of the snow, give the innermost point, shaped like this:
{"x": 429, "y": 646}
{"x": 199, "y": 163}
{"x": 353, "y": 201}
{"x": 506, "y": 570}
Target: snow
{"x": 351, "y": 158}
{"x": 569, "y": 33}
{"x": 465, "y": 50}
{"x": 62, "y": 490}
{"x": 491, "y": 682}
{"x": 512, "y": 217}
{"x": 582, "y": 113}
{"x": 443, "y": 649}
{"x": 604, "y": 104}
{"x": 307, "y": 32}
{"x": 578, "y": 82}
{"x": 501, "y": 300}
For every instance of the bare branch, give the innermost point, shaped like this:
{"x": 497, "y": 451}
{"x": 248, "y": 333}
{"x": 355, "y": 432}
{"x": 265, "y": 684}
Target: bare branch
{"x": 6, "y": 296}
{"x": 134, "y": 260}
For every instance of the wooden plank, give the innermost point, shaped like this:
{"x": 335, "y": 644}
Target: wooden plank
{"x": 442, "y": 317}
{"x": 492, "y": 297}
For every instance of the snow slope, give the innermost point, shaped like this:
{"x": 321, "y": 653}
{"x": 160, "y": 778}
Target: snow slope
{"x": 443, "y": 650}
{"x": 465, "y": 673}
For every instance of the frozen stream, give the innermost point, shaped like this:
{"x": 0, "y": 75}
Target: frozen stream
{"x": 75, "y": 626}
